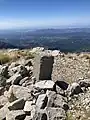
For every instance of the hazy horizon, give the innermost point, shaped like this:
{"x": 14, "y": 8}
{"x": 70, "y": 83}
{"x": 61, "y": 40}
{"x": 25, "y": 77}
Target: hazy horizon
{"x": 44, "y": 14}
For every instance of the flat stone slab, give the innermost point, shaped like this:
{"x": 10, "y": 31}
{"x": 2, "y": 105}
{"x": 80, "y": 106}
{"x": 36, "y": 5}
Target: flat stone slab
{"x": 45, "y": 84}
{"x": 17, "y": 104}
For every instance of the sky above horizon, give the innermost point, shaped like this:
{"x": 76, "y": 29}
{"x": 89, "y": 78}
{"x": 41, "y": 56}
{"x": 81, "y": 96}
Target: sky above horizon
{"x": 44, "y": 13}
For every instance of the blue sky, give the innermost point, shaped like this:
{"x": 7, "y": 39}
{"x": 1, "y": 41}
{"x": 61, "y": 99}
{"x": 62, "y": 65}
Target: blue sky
{"x": 44, "y": 13}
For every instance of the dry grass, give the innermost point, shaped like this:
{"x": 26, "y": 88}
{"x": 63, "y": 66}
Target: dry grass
{"x": 9, "y": 56}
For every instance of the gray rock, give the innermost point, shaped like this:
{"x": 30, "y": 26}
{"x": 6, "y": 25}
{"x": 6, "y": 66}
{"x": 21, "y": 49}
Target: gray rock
{"x": 62, "y": 84}
{"x": 28, "y": 62}
{"x": 50, "y": 114}
{"x": 3, "y": 111}
{"x": 1, "y": 90}
{"x": 56, "y": 114}
{"x": 60, "y": 91}
{"x": 4, "y": 71}
{"x": 43, "y": 65}
{"x": 40, "y": 115}
{"x": 51, "y": 97}
{"x": 28, "y": 118}
{"x": 55, "y": 53}
{"x": 15, "y": 79}
{"x": 41, "y": 102}
{"x": 23, "y": 80}
{"x": 20, "y": 92}
{"x": 2, "y": 81}
{"x": 74, "y": 89}
{"x": 45, "y": 84}
{"x": 29, "y": 108}
{"x": 23, "y": 71}
{"x": 17, "y": 104}
{"x": 16, "y": 115}
{"x": 60, "y": 102}
{"x": 84, "y": 83}
{"x": 3, "y": 100}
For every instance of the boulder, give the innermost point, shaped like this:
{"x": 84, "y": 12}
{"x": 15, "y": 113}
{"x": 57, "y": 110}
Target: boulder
{"x": 17, "y": 104}
{"x": 61, "y": 102}
{"x": 28, "y": 62}
{"x": 19, "y": 92}
{"x": 75, "y": 88}
{"x": 55, "y": 53}
{"x": 3, "y": 111}
{"x": 15, "y": 79}
{"x": 23, "y": 71}
{"x": 50, "y": 114}
{"x": 1, "y": 90}
{"x": 56, "y": 114}
{"x": 51, "y": 97}
{"x": 23, "y": 80}
{"x": 59, "y": 91}
{"x": 16, "y": 115}
{"x": 41, "y": 102}
{"x": 45, "y": 84}
{"x": 29, "y": 108}
{"x": 62, "y": 84}
{"x": 4, "y": 71}
{"x": 3, "y": 100}
{"x": 28, "y": 118}
{"x": 84, "y": 83}
{"x": 43, "y": 65}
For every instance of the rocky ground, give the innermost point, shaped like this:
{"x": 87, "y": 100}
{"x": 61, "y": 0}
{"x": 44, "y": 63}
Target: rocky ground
{"x": 49, "y": 85}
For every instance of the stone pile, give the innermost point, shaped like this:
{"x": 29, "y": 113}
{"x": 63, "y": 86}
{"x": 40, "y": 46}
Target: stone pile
{"x": 27, "y": 91}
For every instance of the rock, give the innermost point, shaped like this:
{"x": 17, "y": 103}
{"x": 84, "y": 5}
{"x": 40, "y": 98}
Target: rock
{"x": 2, "y": 81}
{"x": 1, "y": 90}
{"x": 37, "y": 49}
{"x": 15, "y": 79}
{"x": 45, "y": 84}
{"x": 29, "y": 108}
{"x": 16, "y": 115}
{"x": 28, "y": 62}
{"x": 3, "y": 111}
{"x": 74, "y": 89}
{"x": 51, "y": 97}
{"x": 56, "y": 114}
{"x": 20, "y": 92}
{"x": 84, "y": 83}
{"x": 3, "y": 101}
{"x": 4, "y": 72}
{"x": 23, "y": 80}
{"x": 43, "y": 65}
{"x": 59, "y": 91}
{"x": 23, "y": 71}
{"x": 55, "y": 53}
{"x": 17, "y": 104}
{"x": 13, "y": 64}
{"x": 50, "y": 114}
{"x": 60, "y": 102}
{"x": 28, "y": 118}
{"x": 41, "y": 102}
{"x": 63, "y": 85}
{"x": 40, "y": 115}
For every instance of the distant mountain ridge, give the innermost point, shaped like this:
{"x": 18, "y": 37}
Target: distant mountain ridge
{"x": 6, "y": 45}
{"x": 66, "y": 40}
